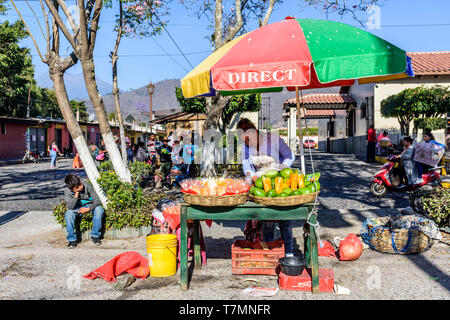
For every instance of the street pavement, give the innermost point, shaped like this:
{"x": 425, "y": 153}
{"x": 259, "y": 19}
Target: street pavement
{"x": 36, "y": 264}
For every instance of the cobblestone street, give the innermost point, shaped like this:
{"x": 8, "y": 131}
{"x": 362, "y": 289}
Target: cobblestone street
{"x": 36, "y": 264}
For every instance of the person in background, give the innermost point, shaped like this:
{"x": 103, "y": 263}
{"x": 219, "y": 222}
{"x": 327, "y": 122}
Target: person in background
{"x": 53, "y": 152}
{"x": 382, "y": 137}
{"x": 130, "y": 154}
{"x": 80, "y": 199}
{"x": 151, "y": 147}
{"x": 409, "y": 165}
{"x": 189, "y": 149}
{"x": 166, "y": 162}
{"x": 171, "y": 139}
{"x": 257, "y": 144}
{"x": 371, "y": 143}
{"x": 141, "y": 153}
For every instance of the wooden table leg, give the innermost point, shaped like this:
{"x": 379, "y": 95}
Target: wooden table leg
{"x": 197, "y": 249}
{"x": 314, "y": 256}
{"x": 183, "y": 249}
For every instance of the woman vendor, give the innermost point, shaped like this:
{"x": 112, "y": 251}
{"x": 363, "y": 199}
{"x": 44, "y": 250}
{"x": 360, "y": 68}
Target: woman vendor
{"x": 408, "y": 163}
{"x": 255, "y": 145}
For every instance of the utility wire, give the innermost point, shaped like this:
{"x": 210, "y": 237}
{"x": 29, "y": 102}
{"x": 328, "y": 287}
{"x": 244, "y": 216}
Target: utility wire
{"x": 148, "y": 55}
{"x": 174, "y": 41}
{"x": 171, "y": 58}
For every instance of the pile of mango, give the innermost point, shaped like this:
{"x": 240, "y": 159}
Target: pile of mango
{"x": 285, "y": 183}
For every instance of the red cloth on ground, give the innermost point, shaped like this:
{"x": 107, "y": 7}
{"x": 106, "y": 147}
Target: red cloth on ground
{"x": 130, "y": 261}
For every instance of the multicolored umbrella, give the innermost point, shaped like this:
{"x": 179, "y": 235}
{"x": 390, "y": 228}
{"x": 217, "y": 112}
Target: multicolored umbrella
{"x": 296, "y": 53}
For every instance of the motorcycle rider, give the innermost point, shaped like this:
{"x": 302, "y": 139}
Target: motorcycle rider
{"x": 409, "y": 165}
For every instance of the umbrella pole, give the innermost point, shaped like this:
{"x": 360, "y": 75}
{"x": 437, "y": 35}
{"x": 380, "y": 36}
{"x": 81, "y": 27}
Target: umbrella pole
{"x": 299, "y": 118}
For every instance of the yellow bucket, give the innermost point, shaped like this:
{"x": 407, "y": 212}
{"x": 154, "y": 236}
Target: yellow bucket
{"x": 162, "y": 254}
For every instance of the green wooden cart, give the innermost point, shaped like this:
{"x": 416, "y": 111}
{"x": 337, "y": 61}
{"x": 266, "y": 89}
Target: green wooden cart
{"x": 248, "y": 211}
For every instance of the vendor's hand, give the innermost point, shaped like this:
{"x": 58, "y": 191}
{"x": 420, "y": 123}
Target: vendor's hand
{"x": 84, "y": 210}
{"x": 254, "y": 178}
{"x": 76, "y": 195}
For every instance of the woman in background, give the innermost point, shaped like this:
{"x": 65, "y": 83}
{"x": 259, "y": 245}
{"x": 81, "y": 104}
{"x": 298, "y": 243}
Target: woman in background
{"x": 53, "y": 151}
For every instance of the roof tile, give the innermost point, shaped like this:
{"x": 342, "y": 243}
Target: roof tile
{"x": 434, "y": 63}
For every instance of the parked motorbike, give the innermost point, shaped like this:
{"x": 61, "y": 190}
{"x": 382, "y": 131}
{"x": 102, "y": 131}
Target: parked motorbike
{"x": 389, "y": 178}
{"x": 33, "y": 155}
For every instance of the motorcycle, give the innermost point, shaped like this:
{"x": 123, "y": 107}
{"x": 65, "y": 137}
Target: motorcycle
{"x": 33, "y": 156}
{"x": 389, "y": 178}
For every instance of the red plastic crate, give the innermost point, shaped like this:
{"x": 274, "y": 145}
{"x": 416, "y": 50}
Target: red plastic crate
{"x": 303, "y": 281}
{"x": 250, "y": 258}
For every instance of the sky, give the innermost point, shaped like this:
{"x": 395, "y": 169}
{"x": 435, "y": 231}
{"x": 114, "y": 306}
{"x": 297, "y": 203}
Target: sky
{"x": 413, "y": 25}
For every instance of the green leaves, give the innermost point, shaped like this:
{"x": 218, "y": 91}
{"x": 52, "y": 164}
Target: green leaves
{"x": 418, "y": 102}
{"x": 16, "y": 70}
{"x": 239, "y": 103}
{"x": 437, "y": 205}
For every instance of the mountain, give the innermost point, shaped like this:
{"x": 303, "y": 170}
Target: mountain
{"x": 76, "y": 88}
{"x": 136, "y": 102}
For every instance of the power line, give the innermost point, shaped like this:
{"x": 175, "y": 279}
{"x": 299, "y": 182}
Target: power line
{"x": 168, "y": 54}
{"x": 149, "y": 55}
{"x": 174, "y": 41}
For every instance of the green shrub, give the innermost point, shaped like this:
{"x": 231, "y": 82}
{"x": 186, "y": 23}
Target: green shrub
{"x": 128, "y": 204}
{"x": 131, "y": 217}
{"x": 436, "y": 205}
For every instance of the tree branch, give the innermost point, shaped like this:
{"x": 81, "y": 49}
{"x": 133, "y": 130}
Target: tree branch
{"x": 233, "y": 30}
{"x": 94, "y": 24}
{"x": 44, "y": 60}
{"x": 218, "y": 29}
{"x": 69, "y": 17}
{"x": 47, "y": 28}
{"x": 268, "y": 12}
{"x": 83, "y": 28}
{"x": 60, "y": 23}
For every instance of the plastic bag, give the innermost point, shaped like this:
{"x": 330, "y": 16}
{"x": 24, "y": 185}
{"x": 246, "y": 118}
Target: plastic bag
{"x": 159, "y": 223}
{"x": 350, "y": 248}
{"x": 265, "y": 163}
{"x": 172, "y": 215}
{"x": 326, "y": 250}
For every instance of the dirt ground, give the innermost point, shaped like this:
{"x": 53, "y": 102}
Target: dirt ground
{"x": 36, "y": 264}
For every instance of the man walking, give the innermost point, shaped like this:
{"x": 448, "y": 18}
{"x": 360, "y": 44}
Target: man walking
{"x": 151, "y": 147}
{"x": 371, "y": 143}
{"x": 81, "y": 198}
{"x": 166, "y": 162}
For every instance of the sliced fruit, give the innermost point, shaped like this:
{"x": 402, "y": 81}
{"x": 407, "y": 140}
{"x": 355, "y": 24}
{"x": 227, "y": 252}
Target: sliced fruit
{"x": 278, "y": 184}
{"x": 294, "y": 180}
{"x": 266, "y": 183}
{"x": 301, "y": 181}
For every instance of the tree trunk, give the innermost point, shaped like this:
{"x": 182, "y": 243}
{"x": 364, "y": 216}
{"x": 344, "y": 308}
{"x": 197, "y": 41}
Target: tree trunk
{"x": 118, "y": 112}
{"x": 76, "y": 134}
{"x": 99, "y": 107}
{"x": 214, "y": 110}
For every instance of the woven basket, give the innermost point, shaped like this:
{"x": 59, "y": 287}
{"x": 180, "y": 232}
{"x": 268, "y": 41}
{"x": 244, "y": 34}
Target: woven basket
{"x": 213, "y": 201}
{"x": 399, "y": 241}
{"x": 285, "y": 201}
